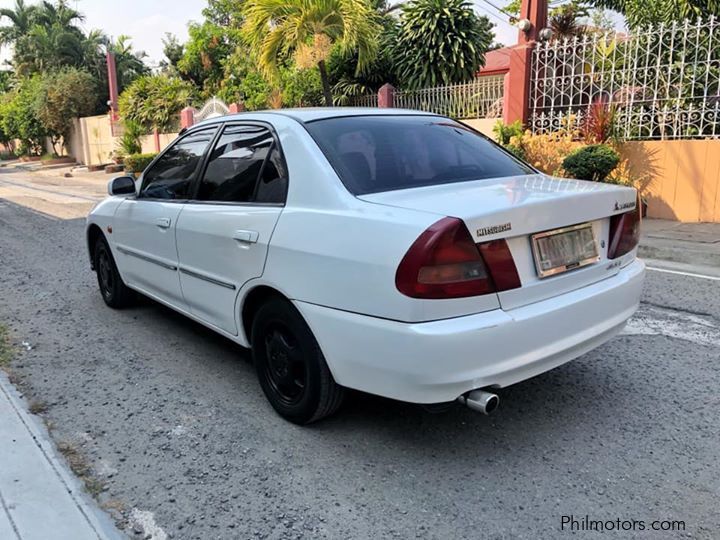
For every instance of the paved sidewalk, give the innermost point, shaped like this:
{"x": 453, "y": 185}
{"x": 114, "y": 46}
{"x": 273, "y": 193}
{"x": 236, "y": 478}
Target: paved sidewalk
{"x": 690, "y": 244}
{"x": 51, "y": 193}
{"x": 40, "y": 499}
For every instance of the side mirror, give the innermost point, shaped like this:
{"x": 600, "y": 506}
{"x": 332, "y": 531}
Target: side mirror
{"x": 122, "y": 185}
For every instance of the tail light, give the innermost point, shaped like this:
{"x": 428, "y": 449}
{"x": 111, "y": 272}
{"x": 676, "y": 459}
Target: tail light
{"x": 444, "y": 262}
{"x": 624, "y": 233}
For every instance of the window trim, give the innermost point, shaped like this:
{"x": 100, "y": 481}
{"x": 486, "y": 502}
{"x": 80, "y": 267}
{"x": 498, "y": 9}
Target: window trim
{"x": 172, "y": 145}
{"x": 195, "y": 187}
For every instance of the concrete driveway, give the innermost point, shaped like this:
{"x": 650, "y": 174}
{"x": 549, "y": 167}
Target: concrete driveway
{"x": 50, "y": 192}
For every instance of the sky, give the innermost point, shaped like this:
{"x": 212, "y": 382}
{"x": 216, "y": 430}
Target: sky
{"x": 146, "y": 21}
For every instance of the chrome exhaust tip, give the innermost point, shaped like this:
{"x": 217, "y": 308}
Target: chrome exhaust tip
{"x": 480, "y": 401}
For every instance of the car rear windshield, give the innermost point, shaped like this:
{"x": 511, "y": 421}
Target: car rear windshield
{"x": 385, "y": 153}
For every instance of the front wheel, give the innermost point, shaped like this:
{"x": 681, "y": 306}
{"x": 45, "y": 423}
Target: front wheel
{"x": 114, "y": 292}
{"x": 290, "y": 365}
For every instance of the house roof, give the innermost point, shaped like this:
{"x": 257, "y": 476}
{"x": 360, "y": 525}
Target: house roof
{"x": 496, "y": 62}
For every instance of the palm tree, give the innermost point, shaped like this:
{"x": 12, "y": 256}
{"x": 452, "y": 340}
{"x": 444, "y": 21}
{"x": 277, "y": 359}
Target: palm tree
{"x": 21, "y": 20}
{"x": 45, "y": 36}
{"x": 59, "y": 14}
{"x": 307, "y": 29}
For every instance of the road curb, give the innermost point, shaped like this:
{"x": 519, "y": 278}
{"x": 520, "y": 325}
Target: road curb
{"x": 682, "y": 255}
{"x": 100, "y": 523}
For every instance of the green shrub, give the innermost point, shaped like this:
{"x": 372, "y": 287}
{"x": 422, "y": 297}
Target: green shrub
{"x": 504, "y": 133}
{"x": 155, "y": 101}
{"x": 594, "y": 162}
{"x": 137, "y": 163}
{"x": 130, "y": 142}
{"x": 517, "y": 151}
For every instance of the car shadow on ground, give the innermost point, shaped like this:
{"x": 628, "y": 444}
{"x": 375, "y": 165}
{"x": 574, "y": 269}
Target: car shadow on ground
{"x": 590, "y": 389}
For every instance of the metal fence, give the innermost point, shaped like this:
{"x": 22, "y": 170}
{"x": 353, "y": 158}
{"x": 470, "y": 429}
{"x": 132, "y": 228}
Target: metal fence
{"x": 480, "y": 98}
{"x": 661, "y": 83}
{"x": 368, "y": 100}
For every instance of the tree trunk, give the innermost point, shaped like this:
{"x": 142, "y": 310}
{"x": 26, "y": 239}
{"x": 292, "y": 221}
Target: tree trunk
{"x": 325, "y": 84}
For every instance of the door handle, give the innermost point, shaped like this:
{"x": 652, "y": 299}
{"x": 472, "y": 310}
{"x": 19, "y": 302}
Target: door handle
{"x": 163, "y": 222}
{"x": 249, "y": 237}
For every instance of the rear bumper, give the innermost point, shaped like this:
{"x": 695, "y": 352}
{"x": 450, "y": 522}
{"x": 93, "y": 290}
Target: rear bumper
{"x": 438, "y": 361}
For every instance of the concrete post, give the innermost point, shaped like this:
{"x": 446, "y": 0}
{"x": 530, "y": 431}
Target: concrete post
{"x": 236, "y": 107}
{"x": 156, "y": 138}
{"x": 187, "y": 117}
{"x": 386, "y": 96}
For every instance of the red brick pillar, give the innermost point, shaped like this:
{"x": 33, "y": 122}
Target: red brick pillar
{"x": 517, "y": 84}
{"x": 506, "y": 97}
{"x": 187, "y": 117}
{"x": 386, "y": 96}
{"x": 236, "y": 107}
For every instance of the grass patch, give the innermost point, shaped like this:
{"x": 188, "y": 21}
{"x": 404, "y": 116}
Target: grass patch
{"x": 94, "y": 486}
{"x": 38, "y": 407}
{"x": 114, "y": 505}
{"x": 5, "y": 348}
{"x": 81, "y": 468}
{"x": 76, "y": 461}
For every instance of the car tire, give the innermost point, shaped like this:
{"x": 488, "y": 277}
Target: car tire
{"x": 291, "y": 368}
{"x": 114, "y": 292}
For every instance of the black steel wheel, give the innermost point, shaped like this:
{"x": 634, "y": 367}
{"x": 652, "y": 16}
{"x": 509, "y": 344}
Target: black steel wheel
{"x": 292, "y": 371}
{"x": 114, "y": 292}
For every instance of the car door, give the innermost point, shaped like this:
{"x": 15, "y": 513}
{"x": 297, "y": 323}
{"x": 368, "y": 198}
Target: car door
{"x": 144, "y": 226}
{"x": 224, "y": 231}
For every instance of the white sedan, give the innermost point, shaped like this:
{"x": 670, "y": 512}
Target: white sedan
{"x": 394, "y": 252}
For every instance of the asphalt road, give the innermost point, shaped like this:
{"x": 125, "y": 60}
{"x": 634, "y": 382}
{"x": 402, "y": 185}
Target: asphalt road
{"x": 174, "y": 424}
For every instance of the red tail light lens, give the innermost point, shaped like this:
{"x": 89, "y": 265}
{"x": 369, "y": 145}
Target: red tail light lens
{"x": 501, "y": 265}
{"x": 624, "y": 233}
{"x": 444, "y": 262}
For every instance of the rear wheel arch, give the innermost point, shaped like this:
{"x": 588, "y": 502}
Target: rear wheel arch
{"x": 252, "y": 302}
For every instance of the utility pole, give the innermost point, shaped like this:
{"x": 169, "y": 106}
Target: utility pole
{"x": 112, "y": 86}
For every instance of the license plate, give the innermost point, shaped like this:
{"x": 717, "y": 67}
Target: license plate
{"x": 564, "y": 249}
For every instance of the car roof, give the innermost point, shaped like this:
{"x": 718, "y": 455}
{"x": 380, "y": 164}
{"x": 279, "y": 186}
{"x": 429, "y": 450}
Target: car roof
{"x": 318, "y": 113}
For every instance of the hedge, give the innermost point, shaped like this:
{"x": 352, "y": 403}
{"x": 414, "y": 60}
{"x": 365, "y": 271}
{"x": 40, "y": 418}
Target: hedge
{"x": 137, "y": 163}
{"x": 594, "y": 162}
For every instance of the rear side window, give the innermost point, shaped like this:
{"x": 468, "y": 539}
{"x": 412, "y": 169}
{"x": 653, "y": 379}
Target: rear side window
{"x": 385, "y": 153}
{"x": 245, "y": 166}
{"x": 171, "y": 175}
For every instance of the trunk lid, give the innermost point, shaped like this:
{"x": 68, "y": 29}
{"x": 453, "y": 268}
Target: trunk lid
{"x": 515, "y": 208}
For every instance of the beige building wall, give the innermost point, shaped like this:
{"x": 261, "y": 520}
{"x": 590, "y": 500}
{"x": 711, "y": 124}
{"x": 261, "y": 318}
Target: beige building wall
{"x": 148, "y": 142}
{"x": 92, "y": 142}
{"x": 680, "y": 179}
{"x": 99, "y": 142}
{"x": 483, "y": 125}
